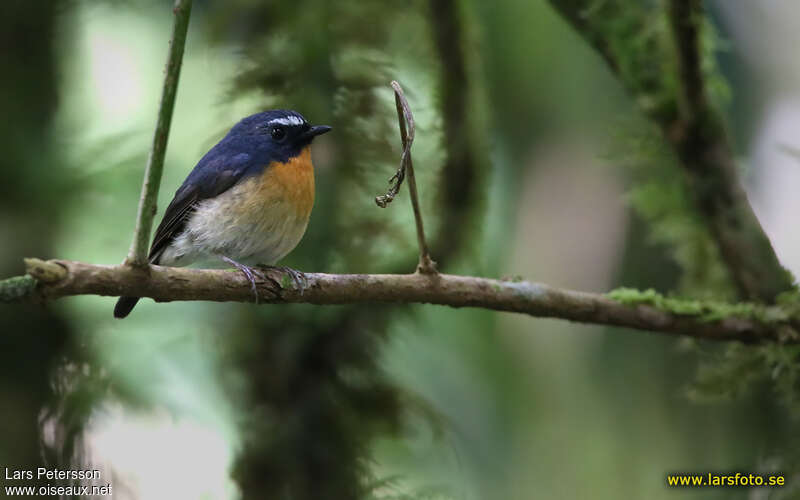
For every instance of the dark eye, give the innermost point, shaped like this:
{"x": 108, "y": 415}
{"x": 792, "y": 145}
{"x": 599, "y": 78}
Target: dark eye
{"x": 278, "y": 133}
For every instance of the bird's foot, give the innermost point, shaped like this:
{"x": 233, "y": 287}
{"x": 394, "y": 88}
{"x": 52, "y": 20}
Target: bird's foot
{"x": 251, "y": 274}
{"x": 300, "y": 280}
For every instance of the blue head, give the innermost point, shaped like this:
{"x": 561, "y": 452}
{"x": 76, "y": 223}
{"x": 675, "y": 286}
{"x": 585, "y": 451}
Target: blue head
{"x": 281, "y": 133}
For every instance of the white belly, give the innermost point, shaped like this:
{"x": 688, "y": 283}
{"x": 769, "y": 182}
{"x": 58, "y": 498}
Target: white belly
{"x": 234, "y": 226}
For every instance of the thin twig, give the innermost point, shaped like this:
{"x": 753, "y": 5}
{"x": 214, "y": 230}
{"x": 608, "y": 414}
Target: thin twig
{"x": 426, "y": 264}
{"x": 747, "y": 323}
{"x": 137, "y": 256}
{"x": 407, "y": 137}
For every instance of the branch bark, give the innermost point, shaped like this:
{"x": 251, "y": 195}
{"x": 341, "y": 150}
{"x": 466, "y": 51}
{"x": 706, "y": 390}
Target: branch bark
{"x": 696, "y": 133}
{"x": 137, "y": 255}
{"x": 65, "y": 278}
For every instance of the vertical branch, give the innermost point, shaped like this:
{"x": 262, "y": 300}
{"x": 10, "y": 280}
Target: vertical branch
{"x": 426, "y": 264}
{"x": 466, "y": 155}
{"x": 137, "y": 255}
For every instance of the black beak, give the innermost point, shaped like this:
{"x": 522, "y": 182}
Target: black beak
{"x": 315, "y": 131}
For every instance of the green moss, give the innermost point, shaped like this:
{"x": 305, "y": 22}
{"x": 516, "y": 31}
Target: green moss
{"x": 632, "y": 296}
{"x": 738, "y": 369}
{"x": 705, "y": 310}
{"x": 790, "y": 299}
{"x": 14, "y": 289}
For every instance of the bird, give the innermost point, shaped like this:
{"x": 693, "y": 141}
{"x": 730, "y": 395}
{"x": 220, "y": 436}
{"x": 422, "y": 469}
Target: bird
{"x": 246, "y": 202}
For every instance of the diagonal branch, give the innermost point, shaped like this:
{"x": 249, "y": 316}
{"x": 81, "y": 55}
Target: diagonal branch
{"x": 137, "y": 255}
{"x": 747, "y": 323}
{"x": 685, "y": 16}
{"x": 694, "y": 130}
{"x": 702, "y": 145}
{"x": 426, "y": 264}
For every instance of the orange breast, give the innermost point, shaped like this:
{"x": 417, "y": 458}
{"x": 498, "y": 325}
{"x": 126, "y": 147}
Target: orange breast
{"x": 293, "y": 180}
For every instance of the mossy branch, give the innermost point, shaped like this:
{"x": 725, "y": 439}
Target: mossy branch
{"x": 689, "y": 123}
{"x": 625, "y": 308}
{"x": 137, "y": 255}
{"x": 17, "y": 288}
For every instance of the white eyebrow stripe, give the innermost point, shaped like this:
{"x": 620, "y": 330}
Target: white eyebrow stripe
{"x": 288, "y": 121}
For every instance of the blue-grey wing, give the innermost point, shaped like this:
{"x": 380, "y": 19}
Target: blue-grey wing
{"x": 216, "y": 172}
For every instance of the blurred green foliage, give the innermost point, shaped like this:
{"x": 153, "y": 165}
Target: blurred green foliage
{"x": 36, "y": 341}
{"x": 328, "y": 394}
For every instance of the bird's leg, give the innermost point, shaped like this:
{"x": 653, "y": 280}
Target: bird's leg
{"x": 298, "y": 277}
{"x": 250, "y": 273}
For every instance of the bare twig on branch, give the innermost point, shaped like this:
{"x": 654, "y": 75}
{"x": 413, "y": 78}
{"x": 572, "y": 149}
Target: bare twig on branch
{"x": 407, "y": 129}
{"x": 64, "y": 278}
{"x": 698, "y": 137}
{"x": 137, "y": 255}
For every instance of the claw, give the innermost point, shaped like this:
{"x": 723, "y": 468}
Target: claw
{"x": 249, "y": 273}
{"x": 300, "y": 280}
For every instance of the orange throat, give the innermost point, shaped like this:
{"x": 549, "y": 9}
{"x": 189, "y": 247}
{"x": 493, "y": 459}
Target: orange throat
{"x": 295, "y": 179}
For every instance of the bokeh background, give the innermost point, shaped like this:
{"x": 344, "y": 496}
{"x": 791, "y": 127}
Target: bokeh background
{"x": 523, "y": 155}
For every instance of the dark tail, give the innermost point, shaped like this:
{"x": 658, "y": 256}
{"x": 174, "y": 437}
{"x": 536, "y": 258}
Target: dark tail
{"x": 124, "y": 306}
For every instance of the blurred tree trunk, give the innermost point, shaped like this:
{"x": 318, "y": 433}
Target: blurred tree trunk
{"x": 319, "y": 396}
{"x": 32, "y": 337}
